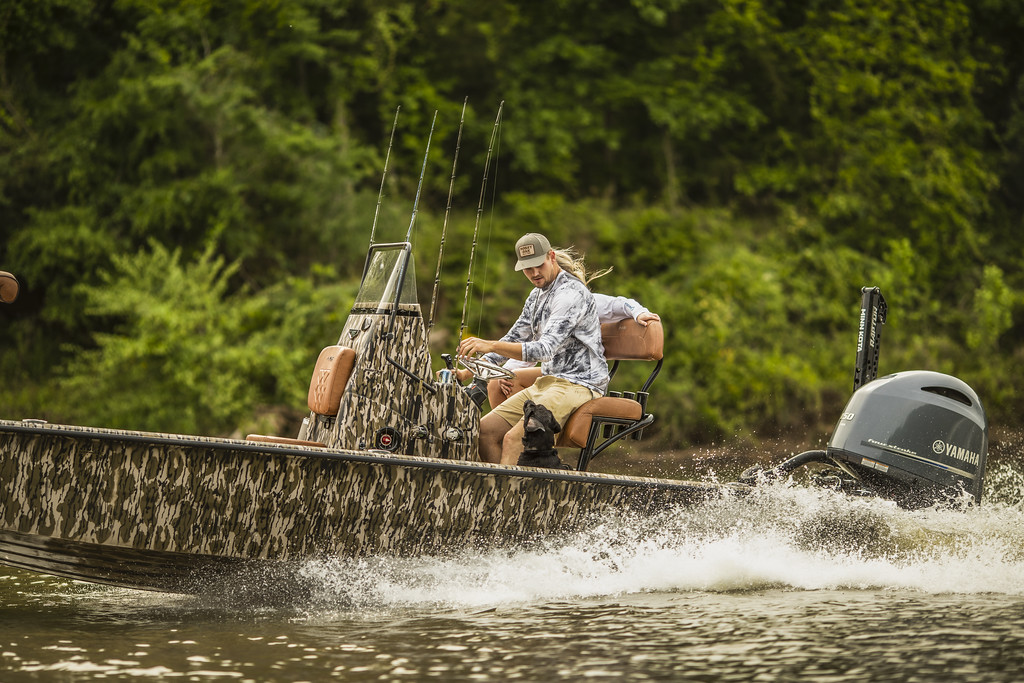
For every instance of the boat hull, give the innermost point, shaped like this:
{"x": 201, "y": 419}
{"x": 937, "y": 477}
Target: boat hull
{"x": 173, "y": 512}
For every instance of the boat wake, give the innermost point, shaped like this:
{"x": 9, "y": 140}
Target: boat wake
{"x": 779, "y": 537}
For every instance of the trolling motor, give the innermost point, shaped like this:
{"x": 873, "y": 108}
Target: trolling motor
{"x": 915, "y": 437}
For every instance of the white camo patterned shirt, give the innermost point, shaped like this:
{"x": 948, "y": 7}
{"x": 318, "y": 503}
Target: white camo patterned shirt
{"x": 559, "y": 326}
{"x": 610, "y": 309}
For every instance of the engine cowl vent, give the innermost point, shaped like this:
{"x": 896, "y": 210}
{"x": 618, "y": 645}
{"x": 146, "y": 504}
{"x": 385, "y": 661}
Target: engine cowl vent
{"x": 949, "y": 392}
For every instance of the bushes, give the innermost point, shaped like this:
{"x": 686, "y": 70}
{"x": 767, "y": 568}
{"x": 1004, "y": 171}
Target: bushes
{"x": 185, "y": 354}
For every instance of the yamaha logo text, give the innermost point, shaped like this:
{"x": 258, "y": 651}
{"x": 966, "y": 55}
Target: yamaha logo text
{"x": 940, "y": 447}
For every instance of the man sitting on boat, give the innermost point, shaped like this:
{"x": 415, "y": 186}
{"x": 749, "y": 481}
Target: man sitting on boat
{"x": 559, "y": 326}
{"x": 610, "y": 309}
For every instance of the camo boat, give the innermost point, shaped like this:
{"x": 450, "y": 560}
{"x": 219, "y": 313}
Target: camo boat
{"x": 386, "y": 463}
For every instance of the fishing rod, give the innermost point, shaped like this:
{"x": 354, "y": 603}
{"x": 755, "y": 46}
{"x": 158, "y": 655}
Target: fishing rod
{"x": 419, "y": 186}
{"x": 444, "y": 226}
{"x": 490, "y": 232}
{"x": 404, "y": 270}
{"x": 399, "y": 282}
{"x": 387, "y": 157}
{"x": 479, "y": 211}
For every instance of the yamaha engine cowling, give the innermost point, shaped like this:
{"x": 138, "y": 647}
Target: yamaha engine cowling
{"x": 915, "y": 437}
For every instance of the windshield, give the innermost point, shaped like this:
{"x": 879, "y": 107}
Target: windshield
{"x": 383, "y": 274}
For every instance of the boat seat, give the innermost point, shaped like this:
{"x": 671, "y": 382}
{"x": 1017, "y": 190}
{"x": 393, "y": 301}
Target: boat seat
{"x": 599, "y": 423}
{"x": 330, "y": 376}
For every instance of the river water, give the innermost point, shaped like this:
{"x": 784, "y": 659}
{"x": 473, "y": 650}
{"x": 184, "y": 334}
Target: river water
{"x": 788, "y": 584}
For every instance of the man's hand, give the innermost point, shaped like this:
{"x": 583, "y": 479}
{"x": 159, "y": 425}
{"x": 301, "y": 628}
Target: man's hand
{"x": 645, "y": 318}
{"x": 471, "y": 345}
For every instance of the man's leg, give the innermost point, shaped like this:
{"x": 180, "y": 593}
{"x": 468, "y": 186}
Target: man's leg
{"x": 512, "y": 444}
{"x": 493, "y": 428}
{"x": 560, "y": 396}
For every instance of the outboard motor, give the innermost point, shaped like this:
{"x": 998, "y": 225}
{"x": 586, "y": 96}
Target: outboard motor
{"x": 913, "y": 437}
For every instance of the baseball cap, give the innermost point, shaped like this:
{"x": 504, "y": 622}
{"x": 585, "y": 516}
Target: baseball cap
{"x": 531, "y": 250}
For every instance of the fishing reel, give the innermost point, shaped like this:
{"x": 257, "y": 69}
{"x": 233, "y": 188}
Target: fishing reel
{"x": 477, "y": 389}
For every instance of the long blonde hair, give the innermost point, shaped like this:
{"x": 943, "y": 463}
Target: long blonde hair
{"x": 572, "y": 261}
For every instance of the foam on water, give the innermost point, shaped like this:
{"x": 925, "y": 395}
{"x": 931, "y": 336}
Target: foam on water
{"x": 779, "y": 537}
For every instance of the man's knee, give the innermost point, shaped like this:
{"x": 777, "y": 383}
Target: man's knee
{"x": 493, "y": 428}
{"x": 511, "y": 439}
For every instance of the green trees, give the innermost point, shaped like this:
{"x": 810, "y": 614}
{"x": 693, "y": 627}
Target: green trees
{"x": 189, "y": 355}
{"x": 745, "y": 165}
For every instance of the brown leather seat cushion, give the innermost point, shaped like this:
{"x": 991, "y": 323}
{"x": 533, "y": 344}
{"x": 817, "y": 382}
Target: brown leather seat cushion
{"x": 333, "y": 368}
{"x": 576, "y": 429}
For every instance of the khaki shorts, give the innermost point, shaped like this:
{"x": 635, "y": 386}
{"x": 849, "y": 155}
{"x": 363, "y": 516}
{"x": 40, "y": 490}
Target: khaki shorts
{"x": 558, "y": 395}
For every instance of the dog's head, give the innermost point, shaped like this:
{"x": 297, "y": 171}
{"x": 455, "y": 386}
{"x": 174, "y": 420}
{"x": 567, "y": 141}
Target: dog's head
{"x": 537, "y": 418}
{"x": 539, "y": 429}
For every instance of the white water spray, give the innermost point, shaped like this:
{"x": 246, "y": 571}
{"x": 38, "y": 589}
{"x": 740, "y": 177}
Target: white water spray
{"x": 779, "y": 537}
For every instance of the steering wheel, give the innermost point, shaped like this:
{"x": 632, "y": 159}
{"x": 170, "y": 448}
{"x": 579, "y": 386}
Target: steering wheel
{"x": 485, "y": 369}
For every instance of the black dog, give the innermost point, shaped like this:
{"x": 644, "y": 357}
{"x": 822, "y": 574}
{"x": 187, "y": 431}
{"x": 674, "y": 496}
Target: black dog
{"x": 539, "y": 429}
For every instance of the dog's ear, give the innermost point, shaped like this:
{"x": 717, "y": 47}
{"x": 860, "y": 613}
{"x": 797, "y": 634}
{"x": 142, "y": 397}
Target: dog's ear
{"x": 549, "y": 419}
{"x": 528, "y": 406}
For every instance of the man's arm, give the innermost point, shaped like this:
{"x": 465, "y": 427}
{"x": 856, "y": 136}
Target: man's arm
{"x": 612, "y": 309}
{"x": 505, "y": 349}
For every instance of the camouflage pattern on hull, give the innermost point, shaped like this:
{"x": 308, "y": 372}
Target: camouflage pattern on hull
{"x": 199, "y": 501}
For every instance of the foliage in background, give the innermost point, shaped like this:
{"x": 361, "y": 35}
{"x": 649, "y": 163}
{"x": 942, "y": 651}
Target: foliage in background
{"x": 186, "y": 190}
{"x": 186, "y": 354}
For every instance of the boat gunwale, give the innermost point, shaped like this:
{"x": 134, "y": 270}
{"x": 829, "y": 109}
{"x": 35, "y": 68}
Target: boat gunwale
{"x": 379, "y": 458}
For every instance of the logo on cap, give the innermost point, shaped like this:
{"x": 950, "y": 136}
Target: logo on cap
{"x": 527, "y": 250}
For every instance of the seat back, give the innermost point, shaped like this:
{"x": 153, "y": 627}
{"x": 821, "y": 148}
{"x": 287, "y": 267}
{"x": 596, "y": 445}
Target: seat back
{"x": 629, "y": 340}
{"x": 331, "y": 374}
{"x": 603, "y": 421}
